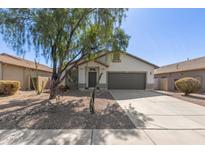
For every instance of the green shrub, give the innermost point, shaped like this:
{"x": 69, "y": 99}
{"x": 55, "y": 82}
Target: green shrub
{"x": 8, "y": 87}
{"x": 188, "y": 85}
{"x": 38, "y": 86}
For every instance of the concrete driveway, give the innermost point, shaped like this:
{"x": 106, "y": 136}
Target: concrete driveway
{"x": 166, "y": 120}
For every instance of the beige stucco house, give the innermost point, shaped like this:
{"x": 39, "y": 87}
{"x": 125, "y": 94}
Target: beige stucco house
{"x": 15, "y": 68}
{"x": 120, "y": 70}
{"x": 166, "y": 76}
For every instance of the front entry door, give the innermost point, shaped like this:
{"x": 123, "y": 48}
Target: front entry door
{"x": 92, "y": 79}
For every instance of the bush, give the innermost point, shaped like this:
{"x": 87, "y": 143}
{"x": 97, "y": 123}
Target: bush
{"x": 9, "y": 87}
{"x": 188, "y": 85}
{"x": 38, "y": 86}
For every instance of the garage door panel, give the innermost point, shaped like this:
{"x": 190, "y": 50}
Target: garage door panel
{"x": 126, "y": 80}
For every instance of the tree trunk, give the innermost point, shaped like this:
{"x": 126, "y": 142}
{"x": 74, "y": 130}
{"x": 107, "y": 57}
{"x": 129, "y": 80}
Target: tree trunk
{"x": 186, "y": 94}
{"x": 53, "y": 86}
{"x": 92, "y": 97}
{"x": 53, "y": 90}
{"x": 92, "y": 101}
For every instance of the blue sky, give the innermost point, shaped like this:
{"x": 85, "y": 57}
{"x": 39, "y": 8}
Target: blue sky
{"x": 161, "y": 36}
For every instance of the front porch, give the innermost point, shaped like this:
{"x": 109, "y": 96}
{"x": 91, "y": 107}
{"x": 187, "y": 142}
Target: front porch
{"x": 86, "y": 75}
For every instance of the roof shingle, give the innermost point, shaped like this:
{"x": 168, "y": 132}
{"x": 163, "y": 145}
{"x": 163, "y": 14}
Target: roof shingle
{"x": 13, "y": 60}
{"x": 189, "y": 65}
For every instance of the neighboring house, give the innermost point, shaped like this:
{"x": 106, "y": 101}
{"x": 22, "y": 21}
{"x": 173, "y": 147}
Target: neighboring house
{"x": 15, "y": 68}
{"x": 121, "y": 70}
{"x": 166, "y": 76}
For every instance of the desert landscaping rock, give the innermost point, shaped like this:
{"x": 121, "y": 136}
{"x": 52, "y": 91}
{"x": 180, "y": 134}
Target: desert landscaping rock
{"x": 71, "y": 113}
{"x": 198, "y": 99}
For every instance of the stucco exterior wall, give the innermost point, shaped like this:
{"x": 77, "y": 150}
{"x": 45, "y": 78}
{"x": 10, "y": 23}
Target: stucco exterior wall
{"x": 44, "y": 81}
{"x": 162, "y": 84}
{"x": 11, "y": 72}
{"x": 127, "y": 64}
{"x": 172, "y": 77}
{"x": 84, "y": 69}
{"x": 28, "y": 73}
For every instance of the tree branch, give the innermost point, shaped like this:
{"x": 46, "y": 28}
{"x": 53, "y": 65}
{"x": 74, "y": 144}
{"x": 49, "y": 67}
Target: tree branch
{"x": 68, "y": 63}
{"x": 76, "y": 26}
{"x": 70, "y": 38}
{"x": 74, "y": 65}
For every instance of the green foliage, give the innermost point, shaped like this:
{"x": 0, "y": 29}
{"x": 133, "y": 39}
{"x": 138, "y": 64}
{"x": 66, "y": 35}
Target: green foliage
{"x": 69, "y": 30}
{"x": 8, "y": 87}
{"x": 38, "y": 86}
{"x": 188, "y": 85}
{"x": 63, "y": 35}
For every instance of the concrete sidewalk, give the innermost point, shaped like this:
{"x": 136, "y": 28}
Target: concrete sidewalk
{"x": 101, "y": 136}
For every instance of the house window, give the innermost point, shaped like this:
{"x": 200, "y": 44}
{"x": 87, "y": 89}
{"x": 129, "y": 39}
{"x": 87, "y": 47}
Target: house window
{"x": 116, "y": 57}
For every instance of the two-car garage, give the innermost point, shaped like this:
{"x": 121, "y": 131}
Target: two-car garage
{"x": 128, "y": 73}
{"x": 126, "y": 80}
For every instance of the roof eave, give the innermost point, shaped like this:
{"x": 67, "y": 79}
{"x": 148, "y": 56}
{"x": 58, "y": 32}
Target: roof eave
{"x": 197, "y": 69}
{"x": 26, "y": 67}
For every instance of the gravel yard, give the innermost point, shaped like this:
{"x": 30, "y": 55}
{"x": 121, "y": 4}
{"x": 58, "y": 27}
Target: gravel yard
{"x": 192, "y": 98}
{"x": 195, "y": 98}
{"x": 27, "y": 110}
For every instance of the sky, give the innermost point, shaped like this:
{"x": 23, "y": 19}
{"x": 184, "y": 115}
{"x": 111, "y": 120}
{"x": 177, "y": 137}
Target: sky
{"x": 160, "y": 36}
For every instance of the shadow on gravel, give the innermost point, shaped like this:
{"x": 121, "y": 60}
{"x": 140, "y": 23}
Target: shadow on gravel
{"x": 70, "y": 114}
{"x": 17, "y": 103}
{"x": 69, "y": 122}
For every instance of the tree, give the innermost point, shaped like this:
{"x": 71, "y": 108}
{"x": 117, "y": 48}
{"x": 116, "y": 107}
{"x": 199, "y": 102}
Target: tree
{"x": 92, "y": 98}
{"x": 65, "y": 36}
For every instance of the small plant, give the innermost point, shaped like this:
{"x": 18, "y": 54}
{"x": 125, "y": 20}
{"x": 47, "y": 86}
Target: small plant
{"x": 9, "y": 87}
{"x": 39, "y": 87}
{"x": 92, "y": 97}
{"x": 188, "y": 85}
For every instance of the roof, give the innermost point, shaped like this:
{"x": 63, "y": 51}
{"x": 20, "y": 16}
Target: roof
{"x": 189, "y": 65}
{"x": 13, "y": 60}
{"x": 93, "y": 61}
{"x": 138, "y": 58}
{"x": 105, "y": 52}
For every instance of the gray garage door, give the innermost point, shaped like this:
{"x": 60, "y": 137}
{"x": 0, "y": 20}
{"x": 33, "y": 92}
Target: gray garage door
{"x": 126, "y": 80}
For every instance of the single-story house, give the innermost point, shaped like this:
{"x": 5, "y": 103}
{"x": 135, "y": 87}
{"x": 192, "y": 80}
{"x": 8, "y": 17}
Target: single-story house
{"x": 120, "y": 70}
{"x": 166, "y": 76}
{"x": 15, "y": 68}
